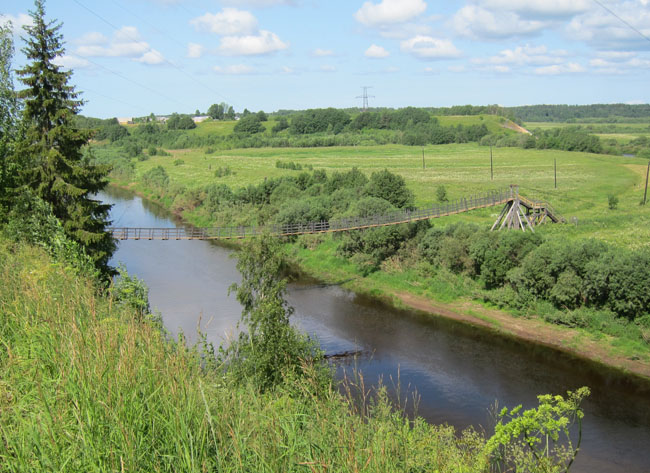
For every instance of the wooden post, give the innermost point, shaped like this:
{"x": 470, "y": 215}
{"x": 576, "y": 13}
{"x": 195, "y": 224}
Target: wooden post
{"x": 645, "y": 193}
{"x": 491, "y": 168}
{"x": 555, "y": 171}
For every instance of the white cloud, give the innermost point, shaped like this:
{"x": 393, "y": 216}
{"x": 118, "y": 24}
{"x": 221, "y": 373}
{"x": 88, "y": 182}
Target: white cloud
{"x": 389, "y": 12}
{"x": 556, "y": 69}
{"x": 17, "y": 22}
{"x": 91, "y": 39}
{"x": 457, "y": 68}
{"x": 322, "y": 52}
{"x": 253, "y": 45}
{"x": 499, "y": 68}
{"x": 523, "y": 56}
{"x": 479, "y": 23}
{"x": 539, "y": 9}
{"x": 426, "y": 47}
{"x": 376, "y": 52}
{"x": 327, "y": 68}
{"x": 616, "y": 56}
{"x": 239, "y": 33}
{"x": 228, "y": 22}
{"x": 235, "y": 69}
{"x": 287, "y": 70}
{"x": 404, "y": 30}
{"x": 194, "y": 50}
{"x": 604, "y": 31}
{"x": 618, "y": 62}
{"x": 125, "y": 42}
{"x": 151, "y": 57}
{"x": 258, "y": 3}
{"x": 71, "y": 62}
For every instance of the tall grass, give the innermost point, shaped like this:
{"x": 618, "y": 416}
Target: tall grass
{"x": 87, "y": 385}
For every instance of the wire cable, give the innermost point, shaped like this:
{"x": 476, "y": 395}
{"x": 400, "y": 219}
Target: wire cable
{"x": 640, "y": 33}
{"x": 166, "y": 97}
{"x": 150, "y": 49}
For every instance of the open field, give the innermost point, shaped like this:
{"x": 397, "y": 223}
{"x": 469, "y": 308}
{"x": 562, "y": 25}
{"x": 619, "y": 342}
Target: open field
{"x": 623, "y": 133}
{"x": 584, "y": 180}
{"x": 490, "y": 121}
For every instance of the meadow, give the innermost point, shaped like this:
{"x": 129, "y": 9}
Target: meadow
{"x": 584, "y": 181}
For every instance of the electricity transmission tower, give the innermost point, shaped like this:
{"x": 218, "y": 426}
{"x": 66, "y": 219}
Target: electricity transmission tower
{"x": 365, "y": 96}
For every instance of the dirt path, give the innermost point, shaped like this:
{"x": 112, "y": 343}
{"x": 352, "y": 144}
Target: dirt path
{"x": 537, "y": 331}
{"x": 513, "y": 126}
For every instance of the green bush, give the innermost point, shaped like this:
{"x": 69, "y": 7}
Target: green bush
{"x": 496, "y": 253}
{"x": 441, "y": 194}
{"x": 391, "y": 187}
{"x": 612, "y": 202}
{"x": 223, "y": 171}
{"x": 248, "y": 125}
{"x": 180, "y": 122}
{"x": 156, "y": 177}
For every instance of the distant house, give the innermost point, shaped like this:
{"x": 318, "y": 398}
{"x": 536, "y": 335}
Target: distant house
{"x": 161, "y": 119}
{"x": 125, "y": 121}
{"x": 200, "y": 118}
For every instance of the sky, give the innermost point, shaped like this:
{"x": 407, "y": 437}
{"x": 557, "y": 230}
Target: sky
{"x": 136, "y": 57}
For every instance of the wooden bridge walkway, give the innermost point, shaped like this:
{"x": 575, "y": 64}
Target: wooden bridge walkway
{"x": 519, "y": 212}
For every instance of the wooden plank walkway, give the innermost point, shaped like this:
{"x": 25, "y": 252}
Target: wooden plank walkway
{"x": 489, "y": 199}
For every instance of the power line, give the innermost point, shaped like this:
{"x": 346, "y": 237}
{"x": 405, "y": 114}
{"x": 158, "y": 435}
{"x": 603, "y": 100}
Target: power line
{"x": 135, "y": 82}
{"x": 150, "y": 49}
{"x": 86, "y": 89}
{"x": 640, "y": 33}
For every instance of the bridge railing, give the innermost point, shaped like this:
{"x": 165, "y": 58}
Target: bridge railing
{"x": 487, "y": 199}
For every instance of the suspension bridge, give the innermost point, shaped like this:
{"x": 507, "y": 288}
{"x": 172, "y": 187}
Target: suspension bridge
{"x": 518, "y": 212}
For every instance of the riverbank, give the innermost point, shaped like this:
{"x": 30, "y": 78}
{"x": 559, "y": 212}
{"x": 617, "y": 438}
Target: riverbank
{"x": 576, "y": 342}
{"x": 394, "y": 289}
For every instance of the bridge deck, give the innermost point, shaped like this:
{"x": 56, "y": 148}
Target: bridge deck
{"x": 489, "y": 199}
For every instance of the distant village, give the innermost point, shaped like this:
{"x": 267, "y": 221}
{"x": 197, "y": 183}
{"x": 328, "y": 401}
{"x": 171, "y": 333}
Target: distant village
{"x": 164, "y": 118}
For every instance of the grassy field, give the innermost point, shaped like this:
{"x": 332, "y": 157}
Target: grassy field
{"x": 584, "y": 180}
{"x": 623, "y": 133}
{"x": 491, "y": 122}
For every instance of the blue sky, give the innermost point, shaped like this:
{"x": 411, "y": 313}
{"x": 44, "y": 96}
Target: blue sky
{"x": 131, "y": 58}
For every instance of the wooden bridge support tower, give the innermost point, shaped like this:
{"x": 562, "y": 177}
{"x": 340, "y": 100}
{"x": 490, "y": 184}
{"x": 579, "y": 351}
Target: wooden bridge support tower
{"x": 521, "y": 213}
{"x": 514, "y": 215}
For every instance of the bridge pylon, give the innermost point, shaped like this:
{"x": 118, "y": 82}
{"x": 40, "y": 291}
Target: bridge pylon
{"x": 521, "y": 213}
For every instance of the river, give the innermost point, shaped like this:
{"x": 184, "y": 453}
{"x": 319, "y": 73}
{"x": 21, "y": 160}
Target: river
{"x": 458, "y": 371}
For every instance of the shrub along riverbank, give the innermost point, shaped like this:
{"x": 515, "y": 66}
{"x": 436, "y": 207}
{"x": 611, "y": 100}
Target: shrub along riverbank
{"x": 586, "y": 285}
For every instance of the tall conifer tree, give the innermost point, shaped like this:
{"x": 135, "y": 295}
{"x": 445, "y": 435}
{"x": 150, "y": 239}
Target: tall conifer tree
{"x": 51, "y": 150}
{"x": 8, "y": 116}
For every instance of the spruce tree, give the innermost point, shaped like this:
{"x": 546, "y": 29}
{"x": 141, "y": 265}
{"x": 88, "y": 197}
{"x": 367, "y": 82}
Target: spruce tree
{"x": 8, "y": 117}
{"x": 51, "y": 150}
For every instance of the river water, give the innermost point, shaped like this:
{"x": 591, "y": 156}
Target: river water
{"x": 458, "y": 371}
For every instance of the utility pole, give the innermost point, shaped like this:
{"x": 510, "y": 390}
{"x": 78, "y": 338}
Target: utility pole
{"x": 491, "y": 168}
{"x": 365, "y": 96}
{"x": 645, "y": 193}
